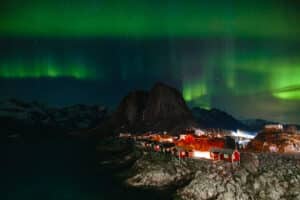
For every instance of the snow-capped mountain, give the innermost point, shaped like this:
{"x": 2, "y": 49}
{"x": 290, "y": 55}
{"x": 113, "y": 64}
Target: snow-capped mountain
{"x": 19, "y": 118}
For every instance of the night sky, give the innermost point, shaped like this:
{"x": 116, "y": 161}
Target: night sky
{"x": 240, "y": 56}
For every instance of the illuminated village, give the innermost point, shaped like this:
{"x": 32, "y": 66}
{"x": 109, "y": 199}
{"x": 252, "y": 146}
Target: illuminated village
{"x": 219, "y": 163}
{"x": 214, "y": 144}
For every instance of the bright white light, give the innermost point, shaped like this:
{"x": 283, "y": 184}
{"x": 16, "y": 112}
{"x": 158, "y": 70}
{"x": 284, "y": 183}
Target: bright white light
{"x": 199, "y": 132}
{"x": 243, "y": 134}
{"x": 182, "y": 136}
{"x": 246, "y": 141}
{"x": 201, "y": 154}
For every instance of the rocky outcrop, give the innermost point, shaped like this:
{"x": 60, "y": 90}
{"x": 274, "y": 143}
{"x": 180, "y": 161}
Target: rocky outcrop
{"x": 131, "y": 109}
{"x": 260, "y": 176}
{"x": 158, "y": 171}
{"x": 275, "y": 141}
{"x": 160, "y": 109}
{"x": 165, "y": 103}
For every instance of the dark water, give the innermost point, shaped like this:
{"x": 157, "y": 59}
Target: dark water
{"x": 61, "y": 170}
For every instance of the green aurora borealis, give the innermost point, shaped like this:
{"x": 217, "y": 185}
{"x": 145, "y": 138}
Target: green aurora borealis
{"x": 144, "y": 18}
{"x": 40, "y": 70}
{"x": 240, "y": 56}
{"x": 243, "y": 76}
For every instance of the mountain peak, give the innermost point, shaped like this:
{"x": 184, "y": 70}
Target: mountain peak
{"x": 160, "y": 109}
{"x": 160, "y": 84}
{"x": 165, "y": 102}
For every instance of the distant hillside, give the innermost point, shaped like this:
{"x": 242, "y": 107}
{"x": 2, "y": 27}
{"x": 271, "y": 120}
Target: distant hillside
{"x": 215, "y": 118}
{"x": 20, "y": 119}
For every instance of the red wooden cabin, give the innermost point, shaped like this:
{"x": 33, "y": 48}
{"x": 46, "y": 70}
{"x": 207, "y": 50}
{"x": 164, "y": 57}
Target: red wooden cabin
{"x": 230, "y": 155}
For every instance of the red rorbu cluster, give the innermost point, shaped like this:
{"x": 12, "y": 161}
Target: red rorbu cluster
{"x": 190, "y": 146}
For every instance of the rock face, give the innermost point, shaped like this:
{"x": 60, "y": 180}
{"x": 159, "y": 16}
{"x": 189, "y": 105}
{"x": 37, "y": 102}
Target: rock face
{"x": 131, "y": 108}
{"x": 275, "y": 141}
{"x": 260, "y": 176}
{"x": 161, "y": 109}
{"x": 275, "y": 177}
{"x": 215, "y": 118}
{"x": 156, "y": 171}
{"x": 165, "y": 103}
{"x": 22, "y": 119}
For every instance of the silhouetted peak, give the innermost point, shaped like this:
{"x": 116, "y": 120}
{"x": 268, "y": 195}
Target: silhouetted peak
{"x": 160, "y": 84}
{"x": 162, "y": 108}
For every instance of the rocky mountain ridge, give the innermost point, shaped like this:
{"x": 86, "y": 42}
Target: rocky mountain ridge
{"x": 160, "y": 109}
{"x": 164, "y": 109}
{"x": 215, "y": 118}
{"x": 32, "y": 119}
